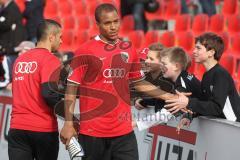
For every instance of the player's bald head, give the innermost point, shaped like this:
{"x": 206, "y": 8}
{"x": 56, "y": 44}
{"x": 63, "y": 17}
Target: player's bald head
{"x": 46, "y": 28}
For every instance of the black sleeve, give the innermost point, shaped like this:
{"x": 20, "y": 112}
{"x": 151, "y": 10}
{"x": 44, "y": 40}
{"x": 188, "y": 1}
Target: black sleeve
{"x": 30, "y": 6}
{"x": 148, "y": 102}
{"x": 9, "y": 20}
{"x": 194, "y": 86}
{"x": 215, "y": 104}
{"x": 51, "y": 94}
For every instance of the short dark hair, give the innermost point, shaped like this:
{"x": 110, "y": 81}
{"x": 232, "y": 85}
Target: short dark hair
{"x": 157, "y": 47}
{"x": 44, "y": 27}
{"x": 107, "y": 7}
{"x": 212, "y": 41}
{"x": 177, "y": 55}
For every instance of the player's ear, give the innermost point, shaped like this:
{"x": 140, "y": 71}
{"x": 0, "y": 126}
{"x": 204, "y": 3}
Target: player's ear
{"x": 178, "y": 66}
{"x": 211, "y": 53}
{"x": 51, "y": 37}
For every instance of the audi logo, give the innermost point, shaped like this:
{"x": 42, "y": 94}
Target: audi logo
{"x": 114, "y": 73}
{"x": 25, "y": 67}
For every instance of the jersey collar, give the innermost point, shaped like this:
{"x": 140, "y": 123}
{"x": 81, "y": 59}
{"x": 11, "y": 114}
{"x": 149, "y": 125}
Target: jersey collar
{"x": 97, "y": 38}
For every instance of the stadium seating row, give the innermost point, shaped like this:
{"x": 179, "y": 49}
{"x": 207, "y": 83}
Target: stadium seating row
{"x": 168, "y": 38}
{"x": 185, "y": 40}
{"x": 171, "y": 8}
{"x": 77, "y": 18}
{"x": 168, "y": 9}
{"x": 201, "y": 23}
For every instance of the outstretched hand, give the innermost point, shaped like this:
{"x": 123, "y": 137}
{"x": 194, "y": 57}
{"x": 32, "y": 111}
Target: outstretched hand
{"x": 183, "y": 122}
{"x": 180, "y": 103}
{"x": 138, "y": 104}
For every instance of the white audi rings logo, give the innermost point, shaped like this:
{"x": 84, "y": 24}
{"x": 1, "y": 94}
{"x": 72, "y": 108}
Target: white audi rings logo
{"x": 114, "y": 73}
{"x": 25, "y": 67}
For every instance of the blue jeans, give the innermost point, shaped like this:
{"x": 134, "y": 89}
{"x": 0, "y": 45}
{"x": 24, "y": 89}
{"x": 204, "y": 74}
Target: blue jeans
{"x": 139, "y": 17}
{"x": 208, "y": 7}
{"x": 10, "y": 61}
{"x": 184, "y": 7}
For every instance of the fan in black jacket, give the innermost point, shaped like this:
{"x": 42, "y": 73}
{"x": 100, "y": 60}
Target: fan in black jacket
{"x": 135, "y": 8}
{"x": 34, "y": 15}
{"x": 176, "y": 62}
{"x": 219, "y": 95}
{"x": 12, "y": 33}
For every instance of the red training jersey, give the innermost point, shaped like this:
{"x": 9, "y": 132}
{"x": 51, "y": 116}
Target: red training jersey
{"x": 105, "y": 103}
{"x": 30, "y": 112}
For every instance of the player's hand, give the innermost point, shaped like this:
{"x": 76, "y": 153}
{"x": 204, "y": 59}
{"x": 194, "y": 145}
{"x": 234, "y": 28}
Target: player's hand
{"x": 183, "y": 122}
{"x": 9, "y": 87}
{"x": 67, "y": 133}
{"x": 138, "y": 105}
{"x": 180, "y": 103}
{"x": 183, "y": 93}
{"x": 134, "y": 124}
